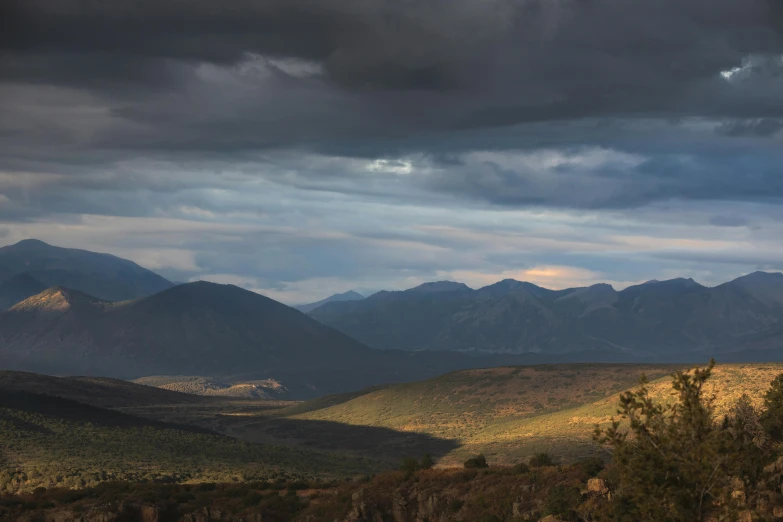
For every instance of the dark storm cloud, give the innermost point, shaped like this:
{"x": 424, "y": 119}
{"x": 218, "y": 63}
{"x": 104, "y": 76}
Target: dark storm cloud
{"x": 86, "y": 87}
{"x": 756, "y": 127}
{"x": 537, "y": 59}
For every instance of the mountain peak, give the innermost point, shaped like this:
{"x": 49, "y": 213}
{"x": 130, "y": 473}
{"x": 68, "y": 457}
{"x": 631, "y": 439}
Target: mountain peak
{"x": 767, "y": 287}
{"x": 57, "y": 299}
{"x": 439, "y": 286}
{"x": 760, "y": 276}
{"x": 350, "y": 295}
{"x": 27, "y": 245}
{"x": 31, "y": 241}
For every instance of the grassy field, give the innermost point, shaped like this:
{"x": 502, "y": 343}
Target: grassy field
{"x": 506, "y": 413}
{"x": 512, "y": 413}
{"x": 49, "y": 441}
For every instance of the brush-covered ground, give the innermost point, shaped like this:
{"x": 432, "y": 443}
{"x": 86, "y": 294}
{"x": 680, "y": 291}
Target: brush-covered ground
{"x": 49, "y": 441}
{"x": 141, "y": 433}
{"x": 487, "y": 495}
{"x": 506, "y": 413}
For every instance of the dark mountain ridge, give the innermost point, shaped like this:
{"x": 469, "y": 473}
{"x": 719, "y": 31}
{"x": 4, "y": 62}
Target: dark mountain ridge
{"x": 102, "y": 275}
{"x": 654, "y": 320}
{"x": 203, "y": 329}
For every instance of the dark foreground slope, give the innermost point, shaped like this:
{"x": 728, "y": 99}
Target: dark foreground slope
{"x": 95, "y": 391}
{"x": 202, "y": 329}
{"x": 50, "y": 441}
{"x": 659, "y": 320}
{"x": 102, "y": 275}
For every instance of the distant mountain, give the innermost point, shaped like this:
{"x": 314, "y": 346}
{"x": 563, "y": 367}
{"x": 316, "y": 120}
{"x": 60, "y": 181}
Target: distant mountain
{"x": 202, "y": 329}
{"x": 336, "y": 298}
{"x": 192, "y": 329}
{"x": 439, "y": 287}
{"x": 19, "y": 288}
{"x": 656, "y": 320}
{"x": 101, "y": 275}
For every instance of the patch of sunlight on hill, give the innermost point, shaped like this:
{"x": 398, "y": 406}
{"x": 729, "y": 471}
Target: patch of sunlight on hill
{"x": 511, "y": 413}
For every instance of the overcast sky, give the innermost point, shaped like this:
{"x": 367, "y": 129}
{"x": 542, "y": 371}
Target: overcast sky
{"x": 304, "y": 147}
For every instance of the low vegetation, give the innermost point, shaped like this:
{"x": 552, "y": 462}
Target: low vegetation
{"x": 510, "y": 414}
{"x": 208, "y": 386}
{"x": 673, "y": 457}
{"x": 53, "y": 442}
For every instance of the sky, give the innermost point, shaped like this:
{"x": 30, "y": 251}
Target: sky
{"x": 301, "y": 148}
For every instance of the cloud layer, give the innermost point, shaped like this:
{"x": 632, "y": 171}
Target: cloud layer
{"x": 305, "y": 146}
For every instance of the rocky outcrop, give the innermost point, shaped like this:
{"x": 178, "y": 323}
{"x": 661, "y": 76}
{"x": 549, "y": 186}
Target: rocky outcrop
{"x": 597, "y": 486}
{"x": 408, "y": 505}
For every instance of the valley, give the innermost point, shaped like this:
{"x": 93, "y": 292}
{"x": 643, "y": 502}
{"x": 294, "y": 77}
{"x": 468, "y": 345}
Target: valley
{"x": 233, "y": 402}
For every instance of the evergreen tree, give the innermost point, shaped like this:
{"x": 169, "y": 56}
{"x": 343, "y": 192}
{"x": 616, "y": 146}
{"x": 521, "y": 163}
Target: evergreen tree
{"x": 772, "y": 417}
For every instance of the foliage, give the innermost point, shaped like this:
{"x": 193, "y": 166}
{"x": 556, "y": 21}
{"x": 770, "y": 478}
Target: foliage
{"x": 515, "y": 412}
{"x": 541, "y": 459}
{"x": 479, "y": 461}
{"x": 772, "y": 418}
{"x": 591, "y": 466}
{"x": 50, "y": 442}
{"x": 427, "y": 462}
{"x": 562, "y": 500}
{"x": 675, "y": 462}
{"x": 671, "y": 465}
{"x": 410, "y": 465}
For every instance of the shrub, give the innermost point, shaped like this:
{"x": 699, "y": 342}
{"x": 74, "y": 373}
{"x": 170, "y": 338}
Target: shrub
{"x": 479, "y": 461}
{"x": 591, "y": 466}
{"x": 772, "y": 417}
{"x": 541, "y": 459}
{"x": 561, "y": 500}
{"x": 520, "y": 468}
{"x": 427, "y": 462}
{"x": 694, "y": 465}
{"x": 252, "y": 499}
{"x": 409, "y": 465}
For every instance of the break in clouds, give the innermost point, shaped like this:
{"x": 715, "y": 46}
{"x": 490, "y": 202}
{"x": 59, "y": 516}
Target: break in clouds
{"x": 305, "y": 147}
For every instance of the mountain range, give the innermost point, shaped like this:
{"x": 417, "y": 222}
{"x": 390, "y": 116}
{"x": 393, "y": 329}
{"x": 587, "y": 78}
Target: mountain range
{"x": 654, "y": 320}
{"x": 137, "y": 324}
{"x": 30, "y": 265}
{"x": 207, "y": 329}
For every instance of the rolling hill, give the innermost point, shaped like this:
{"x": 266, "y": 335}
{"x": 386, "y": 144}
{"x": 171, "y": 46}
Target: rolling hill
{"x": 48, "y": 441}
{"x": 670, "y": 321}
{"x": 100, "y": 392}
{"x": 507, "y": 413}
{"x": 101, "y": 275}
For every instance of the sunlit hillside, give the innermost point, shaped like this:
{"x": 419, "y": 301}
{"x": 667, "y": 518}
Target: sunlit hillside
{"x": 511, "y": 413}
